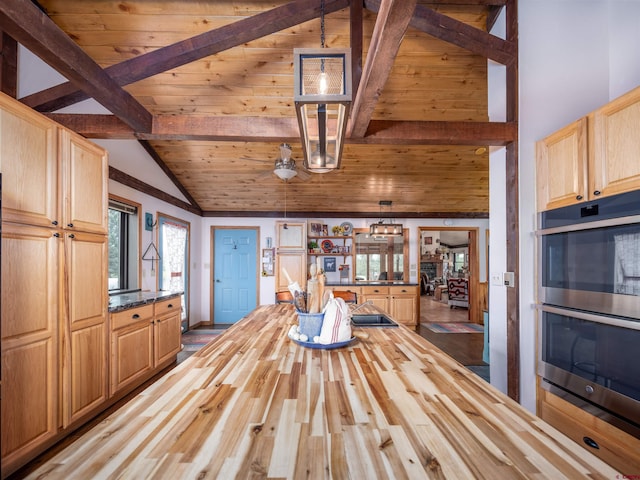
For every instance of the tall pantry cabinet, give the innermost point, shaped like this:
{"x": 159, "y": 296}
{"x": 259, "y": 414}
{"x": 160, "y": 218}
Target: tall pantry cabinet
{"x": 54, "y": 280}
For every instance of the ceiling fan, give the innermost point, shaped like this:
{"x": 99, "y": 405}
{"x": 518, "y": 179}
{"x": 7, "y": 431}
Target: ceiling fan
{"x": 285, "y": 167}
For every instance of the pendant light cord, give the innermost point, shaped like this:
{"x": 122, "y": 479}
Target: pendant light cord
{"x": 322, "y": 23}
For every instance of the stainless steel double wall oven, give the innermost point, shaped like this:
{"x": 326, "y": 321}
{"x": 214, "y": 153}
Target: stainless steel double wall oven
{"x": 589, "y": 307}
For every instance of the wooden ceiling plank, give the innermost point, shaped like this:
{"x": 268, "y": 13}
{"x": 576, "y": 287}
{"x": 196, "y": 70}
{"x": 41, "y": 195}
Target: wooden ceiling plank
{"x": 189, "y": 50}
{"x": 31, "y": 27}
{"x": 457, "y": 33}
{"x": 391, "y": 24}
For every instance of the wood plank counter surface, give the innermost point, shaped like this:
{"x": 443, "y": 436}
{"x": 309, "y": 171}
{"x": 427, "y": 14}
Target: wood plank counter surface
{"x": 254, "y": 404}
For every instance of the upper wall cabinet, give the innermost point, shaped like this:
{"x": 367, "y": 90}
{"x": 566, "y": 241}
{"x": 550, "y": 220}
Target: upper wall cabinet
{"x": 52, "y": 177}
{"x": 28, "y": 157}
{"x": 614, "y": 146}
{"x": 598, "y": 155}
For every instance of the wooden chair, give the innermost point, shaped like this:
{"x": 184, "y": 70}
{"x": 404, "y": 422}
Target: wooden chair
{"x": 348, "y": 297}
{"x": 284, "y": 297}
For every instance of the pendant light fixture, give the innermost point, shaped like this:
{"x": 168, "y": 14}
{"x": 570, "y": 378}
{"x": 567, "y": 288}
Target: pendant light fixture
{"x": 285, "y": 166}
{"x": 322, "y": 95}
{"x": 382, "y": 229}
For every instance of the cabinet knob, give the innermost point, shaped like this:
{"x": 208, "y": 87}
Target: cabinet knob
{"x": 170, "y": 305}
{"x": 135, "y": 315}
{"x": 57, "y": 235}
{"x": 597, "y": 192}
{"x": 72, "y": 236}
{"x": 590, "y": 442}
{"x": 70, "y": 225}
{"x": 579, "y": 197}
{"x": 55, "y": 222}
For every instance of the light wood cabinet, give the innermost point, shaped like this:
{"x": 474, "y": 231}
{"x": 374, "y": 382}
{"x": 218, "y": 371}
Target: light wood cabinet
{"x": 377, "y": 295}
{"x": 131, "y": 346}
{"x": 30, "y": 353}
{"x": 593, "y": 157}
{"x": 617, "y": 448}
{"x": 85, "y": 173}
{"x": 614, "y": 146}
{"x": 291, "y": 258}
{"x": 143, "y": 339}
{"x": 54, "y": 270}
{"x": 167, "y": 331}
{"x": 404, "y": 304}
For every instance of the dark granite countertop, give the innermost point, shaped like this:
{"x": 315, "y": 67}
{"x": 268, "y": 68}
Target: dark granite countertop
{"x": 124, "y": 301}
{"x": 361, "y": 283}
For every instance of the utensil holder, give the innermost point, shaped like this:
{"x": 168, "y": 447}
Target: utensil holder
{"x": 310, "y": 324}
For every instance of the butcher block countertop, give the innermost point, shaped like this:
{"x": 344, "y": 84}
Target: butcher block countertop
{"x": 252, "y": 403}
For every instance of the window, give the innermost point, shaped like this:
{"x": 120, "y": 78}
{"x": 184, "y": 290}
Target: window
{"x": 174, "y": 260}
{"x": 123, "y": 245}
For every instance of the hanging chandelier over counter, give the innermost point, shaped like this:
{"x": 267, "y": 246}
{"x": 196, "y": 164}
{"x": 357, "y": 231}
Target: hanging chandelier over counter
{"x": 382, "y": 229}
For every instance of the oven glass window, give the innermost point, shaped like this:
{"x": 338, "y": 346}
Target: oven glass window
{"x": 603, "y": 354}
{"x": 596, "y": 260}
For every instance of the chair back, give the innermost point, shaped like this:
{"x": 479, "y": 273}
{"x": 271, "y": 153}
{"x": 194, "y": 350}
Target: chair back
{"x": 348, "y": 297}
{"x": 284, "y": 297}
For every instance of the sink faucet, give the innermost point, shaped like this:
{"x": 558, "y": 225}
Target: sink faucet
{"x": 368, "y": 302}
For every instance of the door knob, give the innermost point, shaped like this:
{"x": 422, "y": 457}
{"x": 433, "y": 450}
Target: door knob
{"x": 218, "y": 281}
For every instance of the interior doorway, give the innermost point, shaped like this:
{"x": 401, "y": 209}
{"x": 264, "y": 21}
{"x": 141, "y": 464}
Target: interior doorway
{"x": 234, "y": 273}
{"x": 452, "y": 252}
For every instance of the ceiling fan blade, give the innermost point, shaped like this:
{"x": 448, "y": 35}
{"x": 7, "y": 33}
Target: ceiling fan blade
{"x": 303, "y": 175}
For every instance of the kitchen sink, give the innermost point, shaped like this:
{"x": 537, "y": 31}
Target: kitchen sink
{"x": 372, "y": 320}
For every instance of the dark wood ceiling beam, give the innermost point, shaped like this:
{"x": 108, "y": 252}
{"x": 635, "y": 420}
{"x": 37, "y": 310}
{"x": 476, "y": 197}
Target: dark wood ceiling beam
{"x": 391, "y": 24}
{"x": 357, "y": 39}
{"x": 8, "y": 65}
{"x": 258, "y": 129}
{"x": 190, "y": 50}
{"x": 457, "y": 33}
{"x": 341, "y": 214}
{"x": 31, "y": 27}
{"x": 137, "y": 184}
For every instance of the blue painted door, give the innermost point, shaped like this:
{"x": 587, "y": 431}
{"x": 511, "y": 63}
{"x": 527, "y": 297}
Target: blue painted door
{"x": 234, "y": 274}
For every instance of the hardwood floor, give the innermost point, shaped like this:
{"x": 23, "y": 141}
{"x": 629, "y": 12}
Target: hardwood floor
{"x": 466, "y": 348}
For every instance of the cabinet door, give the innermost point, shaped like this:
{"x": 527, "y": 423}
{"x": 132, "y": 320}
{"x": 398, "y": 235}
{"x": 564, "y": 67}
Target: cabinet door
{"x": 85, "y": 178}
{"x": 131, "y": 353}
{"x": 292, "y": 236}
{"x": 85, "y": 330}
{"x": 615, "y": 146}
{"x": 378, "y": 296}
{"x": 29, "y": 413}
{"x": 28, "y": 155}
{"x": 403, "y": 308}
{"x": 295, "y": 265}
{"x": 167, "y": 337}
{"x": 561, "y": 166}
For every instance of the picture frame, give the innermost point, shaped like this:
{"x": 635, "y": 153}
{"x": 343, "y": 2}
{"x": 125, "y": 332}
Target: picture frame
{"x": 428, "y": 240}
{"x": 329, "y": 264}
{"x": 315, "y": 228}
{"x": 325, "y": 230}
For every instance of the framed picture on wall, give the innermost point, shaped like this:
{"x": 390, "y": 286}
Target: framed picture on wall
{"x": 428, "y": 240}
{"x": 329, "y": 264}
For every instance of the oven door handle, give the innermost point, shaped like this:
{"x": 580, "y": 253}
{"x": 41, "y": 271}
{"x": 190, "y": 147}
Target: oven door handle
{"x": 591, "y": 317}
{"x": 611, "y": 222}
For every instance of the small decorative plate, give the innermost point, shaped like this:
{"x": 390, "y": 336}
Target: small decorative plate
{"x": 322, "y": 345}
{"x": 327, "y": 246}
{"x": 347, "y": 227}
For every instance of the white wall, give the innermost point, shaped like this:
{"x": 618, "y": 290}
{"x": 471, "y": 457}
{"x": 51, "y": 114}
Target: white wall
{"x": 575, "y": 55}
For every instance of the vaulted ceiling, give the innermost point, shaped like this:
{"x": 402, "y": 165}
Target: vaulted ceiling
{"x": 207, "y": 88}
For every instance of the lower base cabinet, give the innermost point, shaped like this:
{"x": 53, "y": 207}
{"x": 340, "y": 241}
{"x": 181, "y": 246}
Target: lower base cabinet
{"x": 143, "y": 339}
{"x": 617, "y": 448}
{"x": 402, "y": 302}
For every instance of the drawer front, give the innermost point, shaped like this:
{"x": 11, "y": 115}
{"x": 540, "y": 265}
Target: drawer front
{"x": 167, "y": 306}
{"x": 403, "y": 290}
{"x": 130, "y": 316}
{"x": 375, "y": 290}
